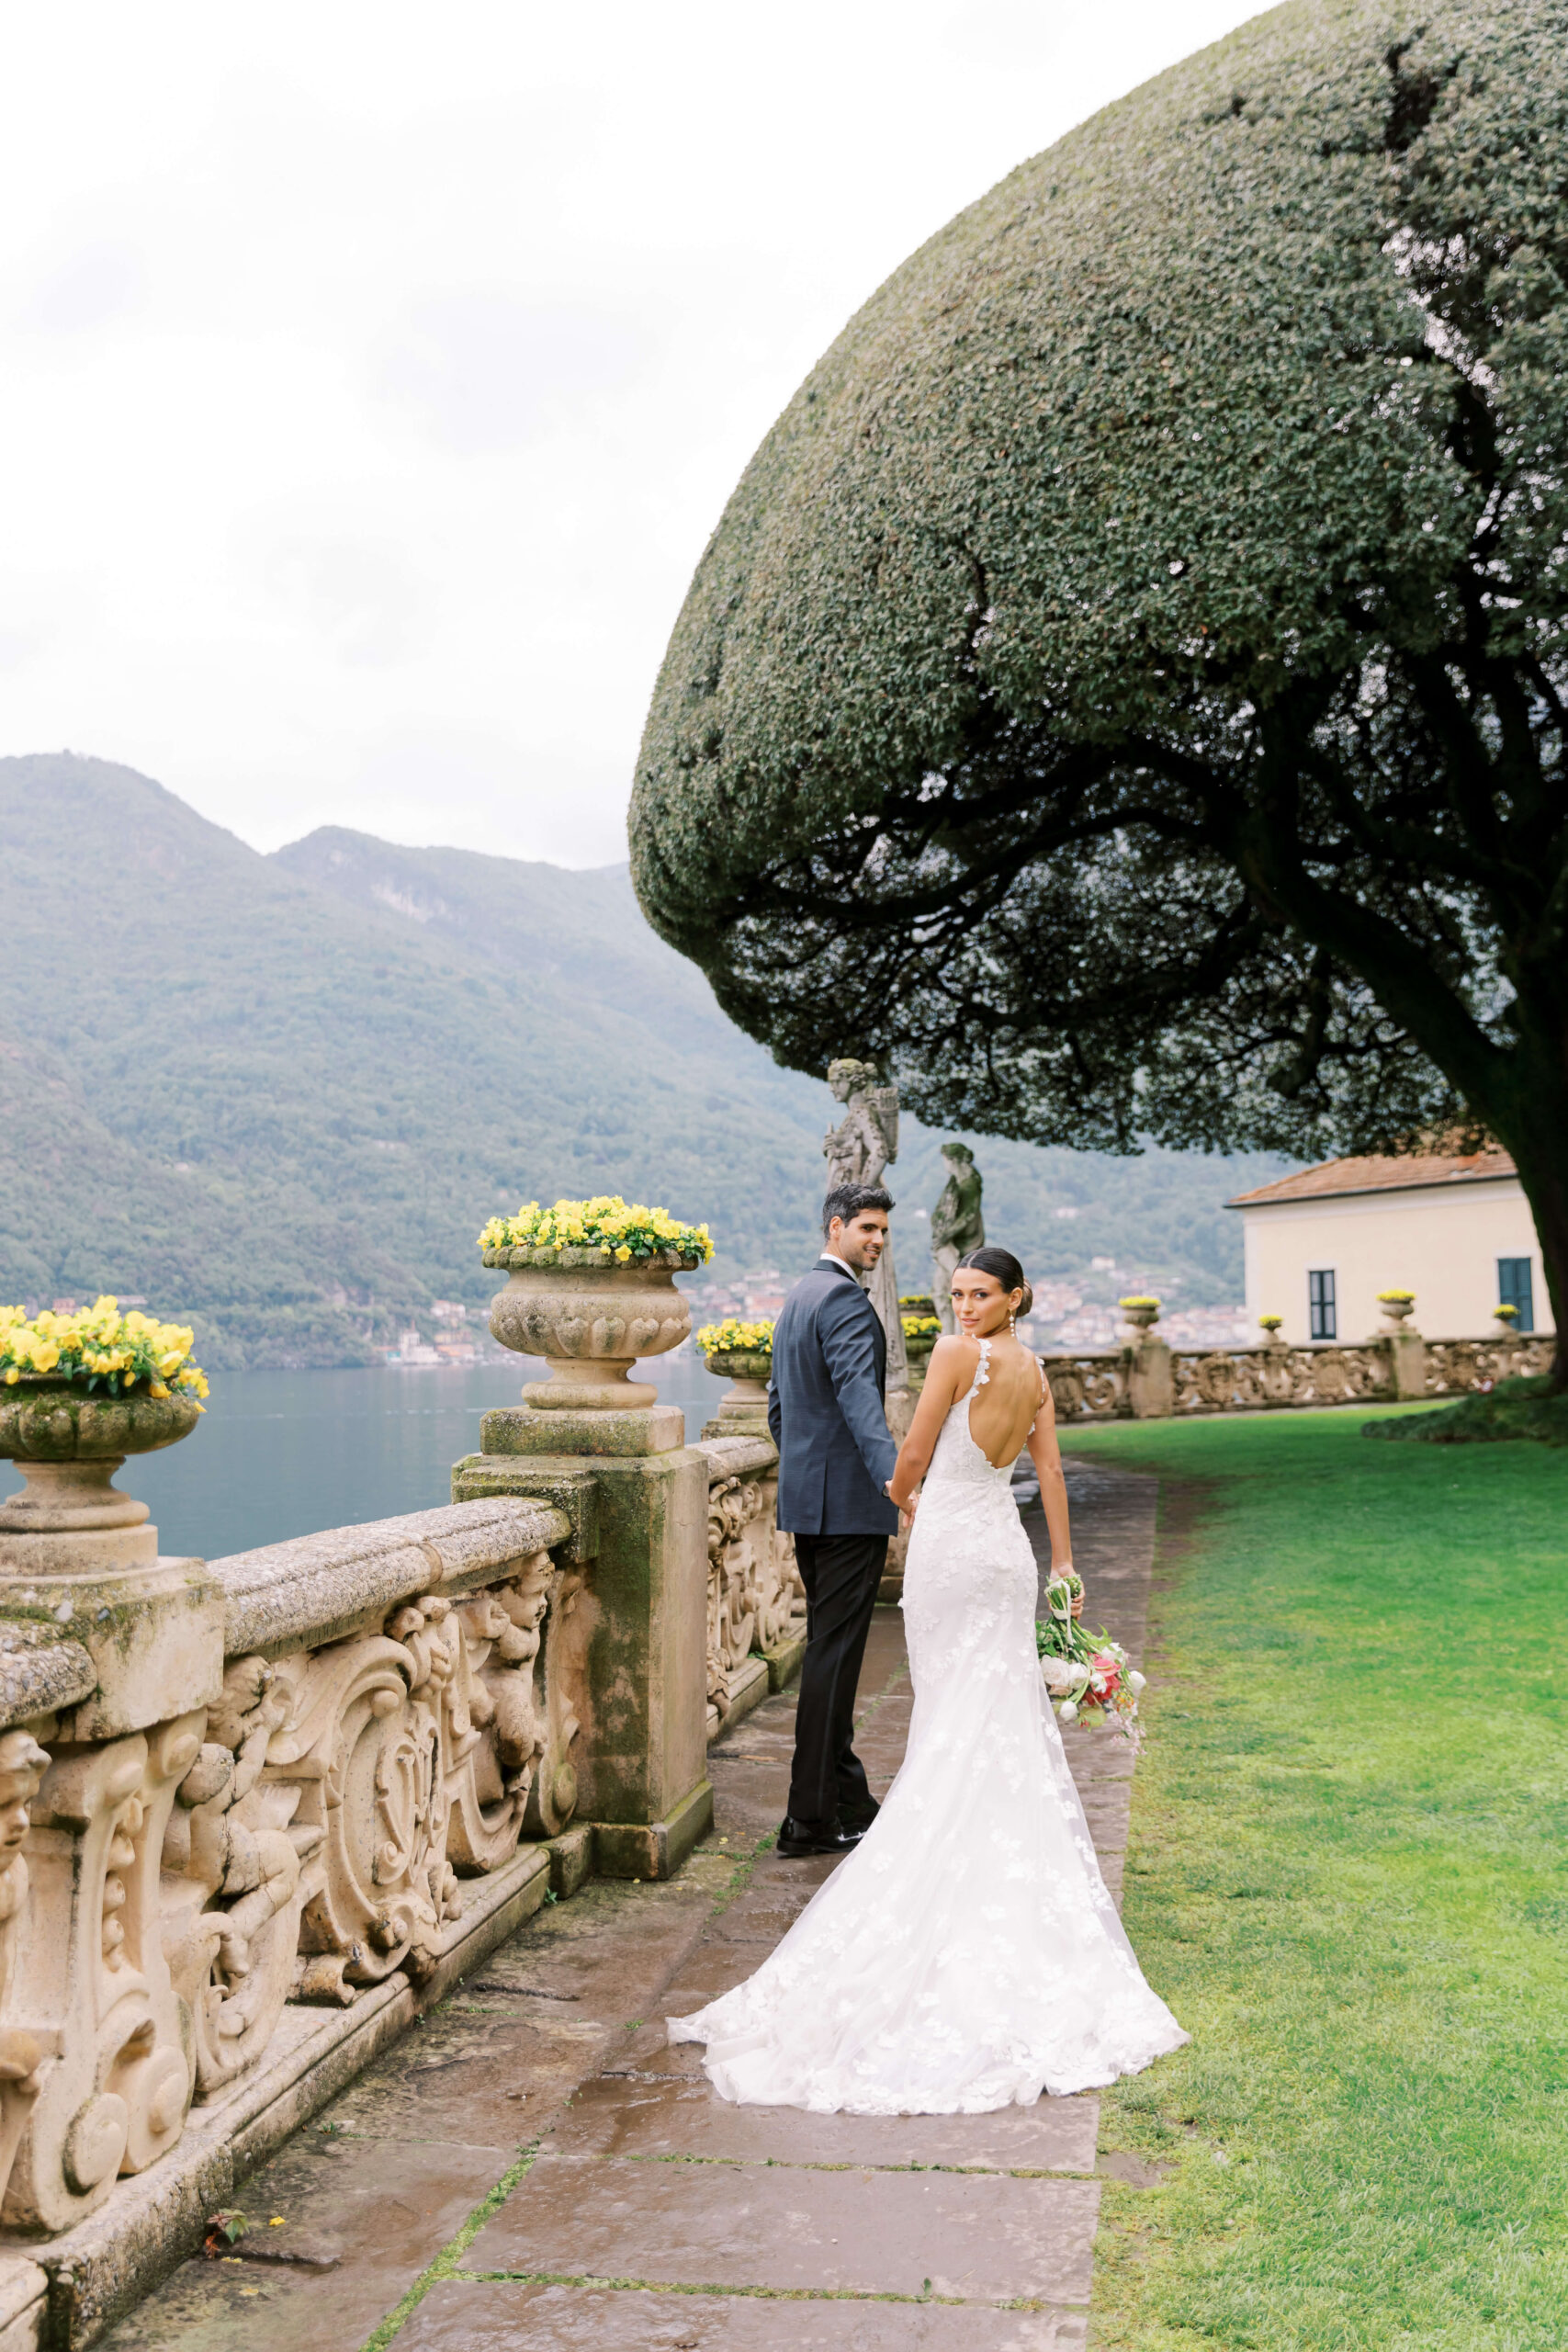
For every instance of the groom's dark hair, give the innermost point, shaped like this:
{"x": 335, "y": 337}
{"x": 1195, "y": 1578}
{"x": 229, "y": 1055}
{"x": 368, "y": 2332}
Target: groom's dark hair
{"x": 847, "y": 1200}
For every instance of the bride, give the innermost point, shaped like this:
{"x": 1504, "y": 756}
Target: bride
{"x": 966, "y": 1955}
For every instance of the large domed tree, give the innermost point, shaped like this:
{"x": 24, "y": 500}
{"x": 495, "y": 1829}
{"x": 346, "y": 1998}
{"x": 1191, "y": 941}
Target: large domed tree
{"x": 1127, "y": 687}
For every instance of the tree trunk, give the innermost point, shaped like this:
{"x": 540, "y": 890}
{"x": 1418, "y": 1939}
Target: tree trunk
{"x": 1536, "y": 1132}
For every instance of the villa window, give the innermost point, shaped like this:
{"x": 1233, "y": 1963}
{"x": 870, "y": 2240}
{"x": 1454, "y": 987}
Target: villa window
{"x": 1514, "y": 1290}
{"x": 1320, "y": 1303}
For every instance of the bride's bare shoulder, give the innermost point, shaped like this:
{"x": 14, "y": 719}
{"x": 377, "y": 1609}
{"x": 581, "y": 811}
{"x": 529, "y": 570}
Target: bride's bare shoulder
{"x": 954, "y": 1357}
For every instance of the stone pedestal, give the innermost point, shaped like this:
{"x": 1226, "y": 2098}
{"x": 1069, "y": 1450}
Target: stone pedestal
{"x": 725, "y": 1424}
{"x": 1151, "y": 1378}
{"x": 638, "y": 1647}
{"x": 1407, "y": 1361}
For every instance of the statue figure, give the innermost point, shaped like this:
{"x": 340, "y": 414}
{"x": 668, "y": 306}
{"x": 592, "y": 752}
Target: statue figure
{"x": 857, "y": 1150}
{"x": 957, "y": 1225}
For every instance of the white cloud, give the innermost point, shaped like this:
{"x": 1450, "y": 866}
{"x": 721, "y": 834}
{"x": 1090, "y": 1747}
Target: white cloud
{"x": 373, "y": 376}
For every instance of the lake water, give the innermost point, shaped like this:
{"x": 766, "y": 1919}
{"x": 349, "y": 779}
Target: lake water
{"x": 281, "y": 1453}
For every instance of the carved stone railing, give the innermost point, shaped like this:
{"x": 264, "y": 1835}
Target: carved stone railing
{"x": 1147, "y": 1380}
{"x": 1090, "y": 1387}
{"x": 756, "y": 1600}
{"x": 314, "y": 1799}
{"x": 1460, "y": 1367}
{"x": 1250, "y": 1380}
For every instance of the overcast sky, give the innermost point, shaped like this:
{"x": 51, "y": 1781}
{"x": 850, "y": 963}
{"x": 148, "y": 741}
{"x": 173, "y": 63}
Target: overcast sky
{"x": 373, "y": 375}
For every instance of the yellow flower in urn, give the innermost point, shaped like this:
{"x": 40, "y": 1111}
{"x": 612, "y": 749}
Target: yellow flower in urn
{"x": 98, "y": 1348}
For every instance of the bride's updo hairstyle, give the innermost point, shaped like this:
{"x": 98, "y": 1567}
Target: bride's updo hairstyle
{"x": 1006, "y": 1269}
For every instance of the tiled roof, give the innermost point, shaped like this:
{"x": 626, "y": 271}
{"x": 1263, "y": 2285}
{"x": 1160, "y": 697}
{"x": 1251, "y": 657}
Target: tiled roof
{"x": 1385, "y": 1172}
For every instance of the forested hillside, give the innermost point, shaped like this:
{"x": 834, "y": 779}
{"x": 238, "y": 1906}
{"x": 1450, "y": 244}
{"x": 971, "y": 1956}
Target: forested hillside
{"x": 280, "y": 1095}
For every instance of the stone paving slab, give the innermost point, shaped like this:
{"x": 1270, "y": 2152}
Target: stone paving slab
{"x": 981, "y": 2237}
{"x": 761, "y": 1915}
{"x": 379, "y": 2211}
{"x": 478, "y": 2074}
{"x": 611, "y": 2117}
{"x": 462, "y": 2315}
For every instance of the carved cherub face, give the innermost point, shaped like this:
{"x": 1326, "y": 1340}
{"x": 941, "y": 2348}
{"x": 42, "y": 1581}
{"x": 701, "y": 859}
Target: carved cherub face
{"x": 23, "y": 1764}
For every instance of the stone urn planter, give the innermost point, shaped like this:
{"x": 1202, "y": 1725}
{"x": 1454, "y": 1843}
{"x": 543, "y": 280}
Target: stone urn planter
{"x": 1396, "y": 1310}
{"x": 750, "y": 1370}
{"x": 70, "y": 1519}
{"x": 591, "y": 1319}
{"x": 918, "y": 1346}
{"x": 1139, "y": 1314}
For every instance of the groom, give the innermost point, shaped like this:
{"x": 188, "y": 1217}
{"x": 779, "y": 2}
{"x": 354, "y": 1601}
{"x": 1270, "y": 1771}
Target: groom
{"x": 836, "y": 1456}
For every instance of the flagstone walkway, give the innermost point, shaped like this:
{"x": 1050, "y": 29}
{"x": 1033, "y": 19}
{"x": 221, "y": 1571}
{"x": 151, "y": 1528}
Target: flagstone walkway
{"x": 533, "y": 2169}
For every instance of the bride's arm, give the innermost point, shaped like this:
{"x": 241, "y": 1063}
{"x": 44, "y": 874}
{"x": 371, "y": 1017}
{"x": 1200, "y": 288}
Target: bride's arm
{"x": 948, "y": 1374}
{"x": 1045, "y": 1454}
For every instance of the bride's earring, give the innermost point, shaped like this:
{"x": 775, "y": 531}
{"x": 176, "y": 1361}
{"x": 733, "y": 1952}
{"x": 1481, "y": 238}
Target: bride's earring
{"x": 1012, "y": 1326}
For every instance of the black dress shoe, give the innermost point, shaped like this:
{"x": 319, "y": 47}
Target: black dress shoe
{"x": 797, "y": 1838}
{"x": 859, "y": 1821}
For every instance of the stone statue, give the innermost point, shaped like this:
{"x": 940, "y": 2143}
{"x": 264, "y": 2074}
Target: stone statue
{"x": 957, "y": 1225}
{"x": 857, "y": 1150}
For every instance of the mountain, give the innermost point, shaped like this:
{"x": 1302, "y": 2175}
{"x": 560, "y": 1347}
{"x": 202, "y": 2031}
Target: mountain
{"x": 278, "y": 1096}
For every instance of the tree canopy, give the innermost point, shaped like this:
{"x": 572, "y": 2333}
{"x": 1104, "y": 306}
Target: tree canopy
{"x": 1127, "y": 686}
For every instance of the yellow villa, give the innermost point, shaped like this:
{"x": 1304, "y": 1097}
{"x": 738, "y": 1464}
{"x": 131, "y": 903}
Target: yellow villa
{"x": 1454, "y": 1227}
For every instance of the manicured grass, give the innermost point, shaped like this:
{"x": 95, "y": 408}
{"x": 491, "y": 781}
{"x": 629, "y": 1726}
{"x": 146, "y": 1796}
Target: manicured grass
{"x": 1348, "y": 1875}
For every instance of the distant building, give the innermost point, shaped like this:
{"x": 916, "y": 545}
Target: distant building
{"x": 449, "y": 1310}
{"x": 1454, "y": 1227}
{"x": 411, "y": 1348}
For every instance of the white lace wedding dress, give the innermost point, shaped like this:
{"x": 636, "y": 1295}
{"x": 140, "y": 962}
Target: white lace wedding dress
{"x": 966, "y": 1955}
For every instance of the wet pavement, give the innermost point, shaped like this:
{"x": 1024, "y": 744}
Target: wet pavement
{"x": 534, "y": 2167}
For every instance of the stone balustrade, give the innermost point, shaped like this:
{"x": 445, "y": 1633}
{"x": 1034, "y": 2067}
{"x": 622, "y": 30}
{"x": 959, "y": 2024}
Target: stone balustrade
{"x": 756, "y": 1600}
{"x": 1146, "y": 1379}
{"x": 236, "y": 1851}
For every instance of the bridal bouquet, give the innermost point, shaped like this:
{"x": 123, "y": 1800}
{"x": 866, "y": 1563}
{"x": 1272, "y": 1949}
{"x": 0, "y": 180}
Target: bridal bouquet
{"x": 1086, "y": 1674}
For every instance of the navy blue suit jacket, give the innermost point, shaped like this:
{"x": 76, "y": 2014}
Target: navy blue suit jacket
{"x": 825, "y": 1410}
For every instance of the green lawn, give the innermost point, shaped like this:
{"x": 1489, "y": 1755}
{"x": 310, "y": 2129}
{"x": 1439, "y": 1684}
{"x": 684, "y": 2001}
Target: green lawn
{"x": 1348, "y": 1875}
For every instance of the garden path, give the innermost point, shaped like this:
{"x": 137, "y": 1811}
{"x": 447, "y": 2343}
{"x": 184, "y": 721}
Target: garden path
{"x": 533, "y": 2169}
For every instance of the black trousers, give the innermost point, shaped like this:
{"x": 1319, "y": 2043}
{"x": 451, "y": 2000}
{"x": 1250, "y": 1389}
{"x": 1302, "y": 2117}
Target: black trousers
{"x": 840, "y": 1574}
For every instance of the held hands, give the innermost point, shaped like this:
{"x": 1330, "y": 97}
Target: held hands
{"x": 906, "y": 1510}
